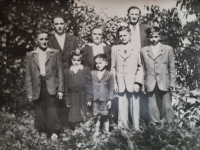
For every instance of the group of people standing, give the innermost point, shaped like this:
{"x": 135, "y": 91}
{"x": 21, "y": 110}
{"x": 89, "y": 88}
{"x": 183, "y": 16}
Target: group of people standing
{"x": 69, "y": 85}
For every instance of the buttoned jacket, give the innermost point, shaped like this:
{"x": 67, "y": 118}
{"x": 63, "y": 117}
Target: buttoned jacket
{"x": 126, "y": 67}
{"x": 159, "y": 69}
{"x": 100, "y": 89}
{"x": 54, "y": 73}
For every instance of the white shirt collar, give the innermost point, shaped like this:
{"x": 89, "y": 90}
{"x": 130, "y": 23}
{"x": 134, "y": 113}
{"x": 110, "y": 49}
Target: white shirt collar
{"x": 72, "y": 68}
{"x": 94, "y": 45}
{"x": 39, "y": 51}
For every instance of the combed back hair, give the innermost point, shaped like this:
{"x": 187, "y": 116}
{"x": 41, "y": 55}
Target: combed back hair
{"x": 123, "y": 28}
{"x": 152, "y": 30}
{"x": 134, "y": 7}
{"x": 58, "y": 16}
{"x": 97, "y": 27}
{"x": 101, "y": 56}
{"x": 40, "y": 31}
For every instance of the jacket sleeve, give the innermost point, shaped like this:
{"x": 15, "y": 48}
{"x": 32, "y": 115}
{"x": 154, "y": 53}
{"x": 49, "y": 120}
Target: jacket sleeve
{"x": 28, "y": 77}
{"x": 60, "y": 73}
{"x": 66, "y": 93}
{"x": 88, "y": 87}
{"x": 111, "y": 87}
{"x": 139, "y": 72}
{"x": 171, "y": 67}
{"x": 113, "y": 65}
{"x": 143, "y": 66}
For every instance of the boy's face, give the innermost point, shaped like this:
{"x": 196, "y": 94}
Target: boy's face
{"x": 100, "y": 64}
{"x": 97, "y": 35}
{"x": 59, "y": 25}
{"x": 42, "y": 40}
{"x": 134, "y": 16}
{"x": 154, "y": 38}
{"x": 124, "y": 36}
{"x": 76, "y": 60}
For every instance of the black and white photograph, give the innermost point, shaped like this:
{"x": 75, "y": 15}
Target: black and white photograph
{"x": 99, "y": 74}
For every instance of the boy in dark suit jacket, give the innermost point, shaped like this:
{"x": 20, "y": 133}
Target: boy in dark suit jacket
{"x": 159, "y": 77}
{"x": 100, "y": 91}
{"x": 44, "y": 80}
{"x": 65, "y": 43}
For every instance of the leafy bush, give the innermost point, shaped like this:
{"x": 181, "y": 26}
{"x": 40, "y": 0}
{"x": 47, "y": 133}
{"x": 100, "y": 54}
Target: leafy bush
{"x": 18, "y": 133}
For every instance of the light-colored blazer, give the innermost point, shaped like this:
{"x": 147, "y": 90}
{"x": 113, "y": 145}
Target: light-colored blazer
{"x": 54, "y": 73}
{"x": 159, "y": 69}
{"x": 127, "y": 68}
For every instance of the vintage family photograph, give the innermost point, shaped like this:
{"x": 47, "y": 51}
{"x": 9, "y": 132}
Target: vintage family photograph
{"x": 99, "y": 75}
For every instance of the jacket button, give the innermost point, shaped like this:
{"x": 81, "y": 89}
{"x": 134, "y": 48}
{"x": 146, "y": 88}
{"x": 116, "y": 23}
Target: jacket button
{"x": 39, "y": 84}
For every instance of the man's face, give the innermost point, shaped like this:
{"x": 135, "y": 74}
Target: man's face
{"x": 76, "y": 60}
{"x": 97, "y": 35}
{"x": 124, "y": 36}
{"x": 134, "y": 16}
{"x": 100, "y": 64}
{"x": 154, "y": 38}
{"x": 59, "y": 25}
{"x": 42, "y": 40}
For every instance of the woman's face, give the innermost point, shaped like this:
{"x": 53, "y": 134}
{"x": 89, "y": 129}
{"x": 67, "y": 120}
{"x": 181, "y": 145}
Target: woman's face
{"x": 76, "y": 60}
{"x": 97, "y": 35}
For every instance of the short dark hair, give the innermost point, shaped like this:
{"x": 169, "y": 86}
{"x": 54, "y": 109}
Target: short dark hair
{"x": 102, "y": 56}
{"x": 152, "y": 30}
{"x": 133, "y": 7}
{"x": 58, "y": 16}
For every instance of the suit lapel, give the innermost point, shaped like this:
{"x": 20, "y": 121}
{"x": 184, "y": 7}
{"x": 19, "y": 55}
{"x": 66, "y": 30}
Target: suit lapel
{"x": 49, "y": 55}
{"x": 160, "y": 52}
{"x": 125, "y": 55}
{"x": 57, "y": 45}
{"x": 36, "y": 59}
{"x": 66, "y": 44}
{"x": 104, "y": 75}
{"x": 150, "y": 53}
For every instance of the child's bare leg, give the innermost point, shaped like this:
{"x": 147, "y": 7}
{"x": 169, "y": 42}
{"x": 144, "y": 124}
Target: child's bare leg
{"x": 97, "y": 125}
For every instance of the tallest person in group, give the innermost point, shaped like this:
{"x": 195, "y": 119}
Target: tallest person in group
{"x": 65, "y": 43}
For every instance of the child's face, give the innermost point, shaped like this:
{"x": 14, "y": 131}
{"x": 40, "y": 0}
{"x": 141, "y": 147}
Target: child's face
{"x": 59, "y": 25}
{"x": 134, "y": 16}
{"x": 76, "y": 60}
{"x": 100, "y": 64}
{"x": 97, "y": 35}
{"x": 124, "y": 36}
{"x": 154, "y": 38}
{"x": 42, "y": 40}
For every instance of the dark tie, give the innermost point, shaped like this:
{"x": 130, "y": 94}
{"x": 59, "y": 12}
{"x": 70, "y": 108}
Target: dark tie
{"x": 125, "y": 51}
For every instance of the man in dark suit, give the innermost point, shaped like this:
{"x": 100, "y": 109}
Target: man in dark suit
{"x": 65, "y": 43}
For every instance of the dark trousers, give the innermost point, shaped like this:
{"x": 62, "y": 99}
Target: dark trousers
{"x": 46, "y": 111}
{"x": 159, "y": 106}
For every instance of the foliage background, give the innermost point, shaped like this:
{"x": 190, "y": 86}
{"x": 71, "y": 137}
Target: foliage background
{"x": 19, "y": 19}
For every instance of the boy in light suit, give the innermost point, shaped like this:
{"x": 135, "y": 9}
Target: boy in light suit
{"x": 128, "y": 76}
{"x": 159, "y": 77}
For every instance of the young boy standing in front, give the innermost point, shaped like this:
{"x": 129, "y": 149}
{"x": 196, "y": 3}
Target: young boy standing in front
{"x": 100, "y": 91}
{"x": 159, "y": 77}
